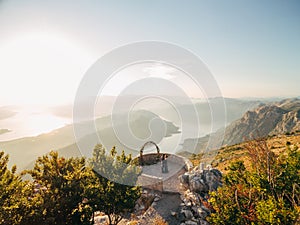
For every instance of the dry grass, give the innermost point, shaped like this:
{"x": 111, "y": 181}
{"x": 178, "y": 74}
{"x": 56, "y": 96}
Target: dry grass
{"x": 228, "y": 154}
{"x": 195, "y": 159}
{"x": 132, "y": 223}
{"x": 157, "y": 220}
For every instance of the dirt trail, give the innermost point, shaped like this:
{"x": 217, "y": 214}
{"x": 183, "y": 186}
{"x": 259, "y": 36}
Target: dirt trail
{"x": 169, "y": 203}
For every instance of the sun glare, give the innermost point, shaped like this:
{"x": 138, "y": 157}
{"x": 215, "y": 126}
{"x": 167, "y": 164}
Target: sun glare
{"x": 41, "y": 69}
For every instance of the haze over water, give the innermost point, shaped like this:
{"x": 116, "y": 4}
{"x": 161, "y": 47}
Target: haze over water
{"x": 31, "y": 121}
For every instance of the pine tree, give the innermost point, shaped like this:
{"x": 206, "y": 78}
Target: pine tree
{"x": 15, "y": 206}
{"x": 61, "y": 186}
{"x": 115, "y": 191}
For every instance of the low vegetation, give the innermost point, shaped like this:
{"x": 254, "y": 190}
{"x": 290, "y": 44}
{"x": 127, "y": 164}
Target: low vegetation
{"x": 68, "y": 191}
{"x": 261, "y": 186}
{"x": 239, "y": 152}
{"x": 266, "y": 193}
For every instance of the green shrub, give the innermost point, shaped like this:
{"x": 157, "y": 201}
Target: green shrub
{"x": 269, "y": 194}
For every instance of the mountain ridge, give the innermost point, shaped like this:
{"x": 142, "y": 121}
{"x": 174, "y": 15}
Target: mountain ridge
{"x": 265, "y": 120}
{"x": 23, "y": 150}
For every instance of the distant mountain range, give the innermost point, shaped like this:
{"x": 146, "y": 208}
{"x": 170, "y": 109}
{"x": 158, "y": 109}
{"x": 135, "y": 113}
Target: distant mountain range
{"x": 25, "y": 150}
{"x": 266, "y": 119}
{"x": 235, "y": 108}
{"x": 244, "y": 119}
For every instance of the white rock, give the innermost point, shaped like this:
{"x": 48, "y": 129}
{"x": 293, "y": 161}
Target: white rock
{"x": 190, "y": 222}
{"x": 203, "y": 222}
{"x": 156, "y": 199}
{"x": 201, "y": 213}
{"x": 173, "y": 213}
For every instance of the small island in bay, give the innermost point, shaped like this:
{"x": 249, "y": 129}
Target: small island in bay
{"x": 3, "y": 131}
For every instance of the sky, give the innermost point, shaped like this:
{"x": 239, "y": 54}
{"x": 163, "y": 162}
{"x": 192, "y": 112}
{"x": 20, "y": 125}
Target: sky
{"x": 252, "y": 48}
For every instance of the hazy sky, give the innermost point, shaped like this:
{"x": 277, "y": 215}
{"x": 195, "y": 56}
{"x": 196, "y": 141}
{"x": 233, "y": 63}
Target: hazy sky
{"x": 251, "y": 47}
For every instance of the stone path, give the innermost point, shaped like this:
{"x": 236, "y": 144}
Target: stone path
{"x": 167, "y": 204}
{"x": 163, "y": 208}
{"x": 170, "y": 200}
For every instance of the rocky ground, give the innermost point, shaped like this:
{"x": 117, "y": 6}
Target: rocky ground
{"x": 185, "y": 205}
{"x": 189, "y": 205}
{"x": 165, "y": 209}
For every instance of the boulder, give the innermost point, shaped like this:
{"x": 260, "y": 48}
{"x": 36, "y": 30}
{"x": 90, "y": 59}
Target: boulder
{"x": 184, "y": 179}
{"x": 197, "y": 185}
{"x": 190, "y": 222}
{"x": 198, "y": 182}
{"x": 187, "y": 214}
{"x": 156, "y": 199}
{"x": 203, "y": 222}
{"x": 201, "y": 213}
